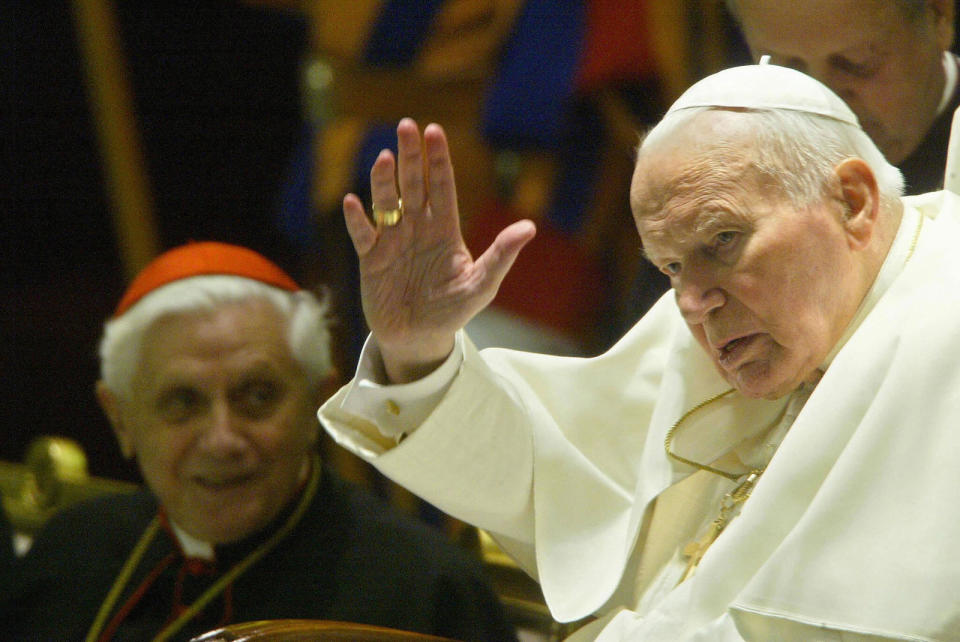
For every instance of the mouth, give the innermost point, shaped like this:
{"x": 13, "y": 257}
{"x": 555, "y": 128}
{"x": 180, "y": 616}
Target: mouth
{"x": 732, "y": 352}
{"x": 222, "y": 482}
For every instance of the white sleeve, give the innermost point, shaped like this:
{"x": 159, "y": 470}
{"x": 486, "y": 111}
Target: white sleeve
{"x": 393, "y": 410}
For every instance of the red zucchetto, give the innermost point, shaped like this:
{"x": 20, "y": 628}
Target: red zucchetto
{"x": 202, "y": 258}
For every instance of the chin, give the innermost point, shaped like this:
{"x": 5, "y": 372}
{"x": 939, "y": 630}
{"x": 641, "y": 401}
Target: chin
{"x": 765, "y": 384}
{"x": 761, "y": 393}
{"x": 227, "y": 526}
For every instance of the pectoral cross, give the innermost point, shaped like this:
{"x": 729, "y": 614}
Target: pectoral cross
{"x": 696, "y": 549}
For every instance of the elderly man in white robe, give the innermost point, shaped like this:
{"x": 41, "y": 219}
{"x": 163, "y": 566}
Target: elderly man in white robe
{"x": 771, "y": 453}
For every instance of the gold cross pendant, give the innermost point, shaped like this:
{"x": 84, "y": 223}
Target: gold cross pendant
{"x": 695, "y": 550}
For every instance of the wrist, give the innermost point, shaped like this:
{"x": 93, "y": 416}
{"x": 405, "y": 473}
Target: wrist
{"x": 412, "y": 361}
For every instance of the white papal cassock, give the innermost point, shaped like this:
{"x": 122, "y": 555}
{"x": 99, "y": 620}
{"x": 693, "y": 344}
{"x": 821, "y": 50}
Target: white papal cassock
{"x": 852, "y": 527}
{"x": 851, "y": 531}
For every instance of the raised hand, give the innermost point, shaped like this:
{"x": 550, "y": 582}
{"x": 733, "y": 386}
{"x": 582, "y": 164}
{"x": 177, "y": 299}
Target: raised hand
{"x": 418, "y": 282}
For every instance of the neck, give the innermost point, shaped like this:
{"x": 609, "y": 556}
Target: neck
{"x": 887, "y": 227}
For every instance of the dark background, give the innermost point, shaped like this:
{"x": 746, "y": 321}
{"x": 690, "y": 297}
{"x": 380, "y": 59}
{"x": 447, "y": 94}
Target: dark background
{"x": 216, "y": 89}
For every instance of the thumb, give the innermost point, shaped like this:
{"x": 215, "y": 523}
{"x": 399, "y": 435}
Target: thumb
{"x": 497, "y": 260}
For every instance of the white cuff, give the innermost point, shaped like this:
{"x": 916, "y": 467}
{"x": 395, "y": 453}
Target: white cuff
{"x": 398, "y": 409}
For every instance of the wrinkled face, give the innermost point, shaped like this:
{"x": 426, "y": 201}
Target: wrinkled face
{"x": 221, "y": 419}
{"x": 766, "y": 288}
{"x": 885, "y": 66}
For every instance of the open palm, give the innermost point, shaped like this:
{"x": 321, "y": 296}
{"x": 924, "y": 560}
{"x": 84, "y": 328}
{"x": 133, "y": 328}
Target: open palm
{"x": 418, "y": 282}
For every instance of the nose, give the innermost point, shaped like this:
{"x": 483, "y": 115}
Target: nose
{"x": 697, "y": 294}
{"x": 223, "y": 435}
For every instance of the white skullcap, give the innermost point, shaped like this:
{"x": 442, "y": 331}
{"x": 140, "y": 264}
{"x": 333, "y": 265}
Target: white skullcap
{"x": 765, "y": 86}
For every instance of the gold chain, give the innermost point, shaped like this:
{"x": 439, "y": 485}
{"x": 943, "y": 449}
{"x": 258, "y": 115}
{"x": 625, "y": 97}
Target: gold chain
{"x": 696, "y": 549}
{"x": 668, "y": 440}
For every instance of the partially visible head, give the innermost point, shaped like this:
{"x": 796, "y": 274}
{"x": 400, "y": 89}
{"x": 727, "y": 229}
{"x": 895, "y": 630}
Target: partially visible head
{"x": 771, "y": 211}
{"x": 883, "y": 57}
{"x": 212, "y": 369}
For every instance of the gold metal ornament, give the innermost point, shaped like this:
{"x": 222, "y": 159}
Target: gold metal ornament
{"x": 388, "y": 218}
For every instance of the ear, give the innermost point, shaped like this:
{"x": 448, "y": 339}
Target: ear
{"x": 942, "y": 13}
{"x": 861, "y": 200}
{"x": 111, "y": 408}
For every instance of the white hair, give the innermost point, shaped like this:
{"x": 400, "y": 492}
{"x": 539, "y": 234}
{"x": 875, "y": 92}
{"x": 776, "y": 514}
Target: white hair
{"x": 798, "y": 150}
{"x": 306, "y": 315}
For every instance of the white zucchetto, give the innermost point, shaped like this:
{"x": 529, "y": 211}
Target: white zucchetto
{"x": 765, "y": 86}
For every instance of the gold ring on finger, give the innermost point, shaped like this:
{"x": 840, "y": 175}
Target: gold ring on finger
{"x": 388, "y": 218}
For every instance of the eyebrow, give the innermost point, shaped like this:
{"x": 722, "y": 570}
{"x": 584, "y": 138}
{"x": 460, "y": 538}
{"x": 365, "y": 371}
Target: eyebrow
{"x": 713, "y": 220}
{"x": 646, "y": 255}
